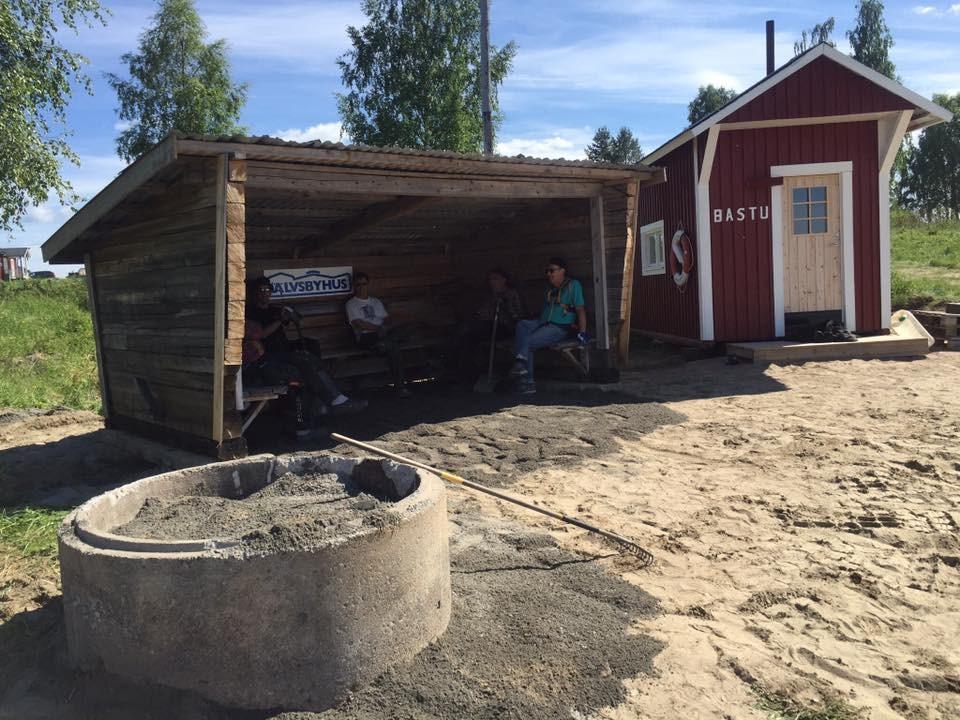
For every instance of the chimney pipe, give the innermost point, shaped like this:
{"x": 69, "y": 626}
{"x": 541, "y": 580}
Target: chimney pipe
{"x": 770, "y": 63}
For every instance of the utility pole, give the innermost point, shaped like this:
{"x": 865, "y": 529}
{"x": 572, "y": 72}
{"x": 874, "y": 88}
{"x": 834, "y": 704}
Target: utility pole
{"x": 485, "y": 76}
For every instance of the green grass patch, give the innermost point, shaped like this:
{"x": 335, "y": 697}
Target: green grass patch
{"x": 30, "y": 532}
{"x": 926, "y": 261}
{"x": 47, "y": 353}
{"x": 784, "y": 707}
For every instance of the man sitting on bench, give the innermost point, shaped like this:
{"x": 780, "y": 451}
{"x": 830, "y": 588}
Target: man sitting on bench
{"x": 371, "y": 326}
{"x": 563, "y": 317}
{"x": 279, "y": 348}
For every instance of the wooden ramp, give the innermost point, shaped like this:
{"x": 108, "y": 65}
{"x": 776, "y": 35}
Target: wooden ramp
{"x": 906, "y": 339}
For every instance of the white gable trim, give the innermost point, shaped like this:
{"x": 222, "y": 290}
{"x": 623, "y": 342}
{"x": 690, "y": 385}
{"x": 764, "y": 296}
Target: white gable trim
{"x": 938, "y": 113}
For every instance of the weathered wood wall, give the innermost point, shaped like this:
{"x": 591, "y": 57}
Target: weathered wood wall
{"x": 153, "y": 280}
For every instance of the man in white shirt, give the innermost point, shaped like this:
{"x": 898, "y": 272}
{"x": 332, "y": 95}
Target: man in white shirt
{"x": 371, "y": 326}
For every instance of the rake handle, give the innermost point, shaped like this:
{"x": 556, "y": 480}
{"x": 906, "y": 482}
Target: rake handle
{"x": 457, "y": 480}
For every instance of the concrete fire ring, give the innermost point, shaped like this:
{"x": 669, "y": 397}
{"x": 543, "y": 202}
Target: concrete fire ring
{"x": 290, "y": 630}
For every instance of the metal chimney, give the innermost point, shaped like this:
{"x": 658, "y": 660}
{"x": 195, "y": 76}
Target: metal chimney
{"x": 770, "y": 63}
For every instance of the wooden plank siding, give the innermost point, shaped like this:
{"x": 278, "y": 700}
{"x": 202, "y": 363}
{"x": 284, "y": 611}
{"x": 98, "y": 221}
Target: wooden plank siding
{"x": 153, "y": 279}
{"x": 742, "y": 261}
{"x": 658, "y": 307}
{"x": 822, "y": 88}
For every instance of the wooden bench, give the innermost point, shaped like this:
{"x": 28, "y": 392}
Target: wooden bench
{"x": 571, "y": 350}
{"x": 255, "y": 399}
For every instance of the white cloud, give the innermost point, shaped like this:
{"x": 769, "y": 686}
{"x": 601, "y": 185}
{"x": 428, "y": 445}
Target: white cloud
{"x": 42, "y": 213}
{"x": 322, "y": 131}
{"x": 925, "y": 10}
{"x": 122, "y": 125}
{"x": 955, "y": 9}
{"x": 664, "y": 67}
{"x": 566, "y": 143}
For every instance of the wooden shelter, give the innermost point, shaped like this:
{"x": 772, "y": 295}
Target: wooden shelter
{"x": 783, "y": 196}
{"x": 169, "y": 243}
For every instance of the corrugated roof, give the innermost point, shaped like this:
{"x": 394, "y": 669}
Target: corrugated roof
{"x": 413, "y": 152}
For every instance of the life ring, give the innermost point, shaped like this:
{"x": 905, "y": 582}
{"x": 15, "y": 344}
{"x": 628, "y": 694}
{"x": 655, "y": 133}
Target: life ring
{"x": 681, "y": 259}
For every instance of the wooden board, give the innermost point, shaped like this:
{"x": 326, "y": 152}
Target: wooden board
{"x": 776, "y": 351}
{"x": 812, "y": 279}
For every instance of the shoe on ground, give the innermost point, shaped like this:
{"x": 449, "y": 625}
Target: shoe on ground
{"x": 313, "y": 435}
{"x": 349, "y": 407}
{"x": 526, "y": 388}
{"x": 519, "y": 368}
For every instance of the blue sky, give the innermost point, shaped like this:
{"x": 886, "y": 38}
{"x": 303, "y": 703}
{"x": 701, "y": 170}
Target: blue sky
{"x": 580, "y": 64}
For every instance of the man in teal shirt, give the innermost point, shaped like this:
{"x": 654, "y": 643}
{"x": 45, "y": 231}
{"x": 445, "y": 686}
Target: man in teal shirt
{"x": 563, "y": 317}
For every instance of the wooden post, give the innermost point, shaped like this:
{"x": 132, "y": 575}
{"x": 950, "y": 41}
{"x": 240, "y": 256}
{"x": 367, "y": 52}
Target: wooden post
{"x": 94, "y": 303}
{"x": 219, "y": 297}
{"x": 232, "y": 444}
{"x": 629, "y": 258}
{"x": 600, "y": 299}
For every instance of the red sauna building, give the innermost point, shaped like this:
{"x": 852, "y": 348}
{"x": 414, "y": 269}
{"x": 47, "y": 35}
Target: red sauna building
{"x": 775, "y": 210}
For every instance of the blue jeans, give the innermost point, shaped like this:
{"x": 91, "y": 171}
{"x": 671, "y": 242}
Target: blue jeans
{"x": 531, "y": 335}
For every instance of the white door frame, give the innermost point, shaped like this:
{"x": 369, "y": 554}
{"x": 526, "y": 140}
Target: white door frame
{"x": 845, "y": 171}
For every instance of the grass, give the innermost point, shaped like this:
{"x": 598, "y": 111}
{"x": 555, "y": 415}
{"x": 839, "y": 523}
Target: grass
{"x": 47, "y": 354}
{"x": 29, "y": 569}
{"x": 926, "y": 261}
{"x": 30, "y": 531}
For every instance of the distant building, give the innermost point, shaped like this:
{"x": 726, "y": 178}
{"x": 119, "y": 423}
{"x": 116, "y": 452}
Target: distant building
{"x": 13, "y": 263}
{"x": 775, "y": 215}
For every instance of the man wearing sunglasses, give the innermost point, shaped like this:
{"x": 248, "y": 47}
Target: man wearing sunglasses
{"x": 563, "y": 317}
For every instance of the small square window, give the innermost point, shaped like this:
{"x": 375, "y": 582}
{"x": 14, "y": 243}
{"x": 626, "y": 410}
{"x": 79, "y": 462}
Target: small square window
{"x": 800, "y": 211}
{"x": 801, "y": 227}
{"x": 818, "y": 194}
{"x": 818, "y": 210}
{"x": 818, "y": 226}
{"x": 652, "y": 250}
{"x": 809, "y": 210}
{"x": 800, "y": 195}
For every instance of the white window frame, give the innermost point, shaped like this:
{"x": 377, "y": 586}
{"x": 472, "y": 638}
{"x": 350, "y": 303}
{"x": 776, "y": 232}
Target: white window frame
{"x": 654, "y": 266}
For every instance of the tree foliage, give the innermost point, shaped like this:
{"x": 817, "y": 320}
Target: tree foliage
{"x": 871, "y": 39}
{"x": 819, "y": 33}
{"x": 931, "y": 183}
{"x": 709, "y": 99}
{"x": 177, "y": 82}
{"x": 623, "y": 149}
{"x": 36, "y": 73}
{"x": 413, "y": 76}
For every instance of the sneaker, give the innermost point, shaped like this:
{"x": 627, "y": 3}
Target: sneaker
{"x": 519, "y": 368}
{"x": 526, "y": 388}
{"x": 349, "y": 407}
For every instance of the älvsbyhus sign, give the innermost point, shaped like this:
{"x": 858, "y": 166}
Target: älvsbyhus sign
{"x": 310, "y": 282}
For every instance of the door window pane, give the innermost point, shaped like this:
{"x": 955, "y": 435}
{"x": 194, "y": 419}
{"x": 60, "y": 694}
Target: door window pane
{"x": 809, "y": 210}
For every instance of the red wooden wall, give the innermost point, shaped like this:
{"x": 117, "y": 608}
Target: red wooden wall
{"x": 742, "y": 263}
{"x": 657, "y": 304}
{"x": 821, "y": 88}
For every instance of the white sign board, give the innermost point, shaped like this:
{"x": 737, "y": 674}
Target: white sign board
{"x": 310, "y": 282}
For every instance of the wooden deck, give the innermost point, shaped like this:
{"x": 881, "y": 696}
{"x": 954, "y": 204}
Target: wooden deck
{"x": 906, "y": 339}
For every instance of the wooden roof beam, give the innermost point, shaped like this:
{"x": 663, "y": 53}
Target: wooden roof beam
{"x": 371, "y": 216}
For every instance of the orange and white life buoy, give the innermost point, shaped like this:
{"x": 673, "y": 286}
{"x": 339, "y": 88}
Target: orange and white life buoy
{"x": 681, "y": 259}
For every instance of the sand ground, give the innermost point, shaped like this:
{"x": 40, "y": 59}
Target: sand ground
{"x": 805, "y": 521}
